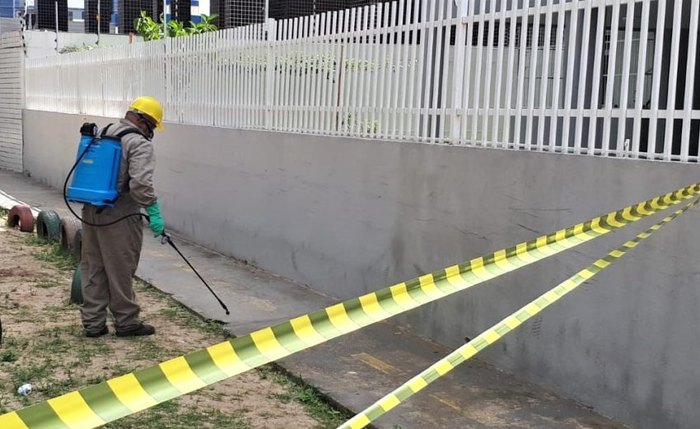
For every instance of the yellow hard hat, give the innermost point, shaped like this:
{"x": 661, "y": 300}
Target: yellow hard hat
{"x": 149, "y": 106}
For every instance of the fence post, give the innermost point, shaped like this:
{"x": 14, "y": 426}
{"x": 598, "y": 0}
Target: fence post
{"x": 458, "y": 90}
{"x": 271, "y": 25}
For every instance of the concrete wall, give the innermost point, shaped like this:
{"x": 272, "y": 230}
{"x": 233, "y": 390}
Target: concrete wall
{"x": 347, "y": 216}
{"x": 42, "y": 43}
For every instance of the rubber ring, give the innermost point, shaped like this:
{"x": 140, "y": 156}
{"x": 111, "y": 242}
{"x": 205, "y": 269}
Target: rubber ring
{"x": 69, "y": 227}
{"x": 21, "y": 216}
{"x": 48, "y": 226}
{"x": 78, "y": 244}
{"x": 76, "y": 288}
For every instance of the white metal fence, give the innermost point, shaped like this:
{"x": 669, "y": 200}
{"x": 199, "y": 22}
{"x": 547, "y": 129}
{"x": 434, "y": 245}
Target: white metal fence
{"x": 11, "y": 100}
{"x": 597, "y": 77}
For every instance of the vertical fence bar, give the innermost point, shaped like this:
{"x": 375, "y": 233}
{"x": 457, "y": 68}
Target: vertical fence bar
{"x": 372, "y": 114}
{"x": 477, "y": 81}
{"x": 610, "y": 79}
{"x": 391, "y": 70}
{"x": 459, "y": 111}
{"x": 467, "y": 77}
{"x": 490, "y": 14}
{"x": 672, "y": 79}
{"x": 446, "y": 33}
{"x": 595, "y": 96}
{"x": 415, "y": 59}
{"x": 583, "y": 67}
{"x": 498, "y": 93}
{"x": 428, "y": 69}
{"x": 524, "y": 23}
{"x": 641, "y": 77}
{"x": 656, "y": 84}
{"x": 624, "y": 82}
{"x": 544, "y": 80}
{"x": 568, "y": 96}
{"x": 437, "y": 68}
{"x": 534, "y": 54}
{"x": 558, "y": 60}
{"x": 490, "y": 18}
{"x": 513, "y": 28}
{"x": 689, "y": 80}
{"x": 356, "y": 54}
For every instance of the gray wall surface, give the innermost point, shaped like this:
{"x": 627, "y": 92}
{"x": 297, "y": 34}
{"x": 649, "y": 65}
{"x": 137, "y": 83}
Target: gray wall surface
{"x": 348, "y": 216}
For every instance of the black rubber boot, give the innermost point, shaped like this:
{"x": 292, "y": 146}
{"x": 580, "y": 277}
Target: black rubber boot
{"x": 138, "y": 331}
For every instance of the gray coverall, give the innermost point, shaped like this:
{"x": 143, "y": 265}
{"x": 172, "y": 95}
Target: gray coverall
{"x": 110, "y": 254}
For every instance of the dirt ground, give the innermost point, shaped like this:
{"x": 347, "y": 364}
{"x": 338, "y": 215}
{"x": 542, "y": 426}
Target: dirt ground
{"x": 44, "y": 345}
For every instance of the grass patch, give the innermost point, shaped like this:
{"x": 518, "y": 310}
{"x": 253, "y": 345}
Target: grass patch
{"x": 52, "y": 253}
{"x": 53, "y": 360}
{"x": 173, "y": 415}
{"x": 314, "y": 402}
{"x": 181, "y": 314}
{"x": 8, "y": 356}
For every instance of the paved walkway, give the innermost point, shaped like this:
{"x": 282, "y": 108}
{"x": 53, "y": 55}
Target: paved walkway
{"x": 354, "y": 370}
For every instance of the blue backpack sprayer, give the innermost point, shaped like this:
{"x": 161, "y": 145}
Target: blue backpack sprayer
{"x": 95, "y": 180}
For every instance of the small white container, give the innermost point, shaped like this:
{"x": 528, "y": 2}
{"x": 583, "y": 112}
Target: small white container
{"x": 24, "y": 389}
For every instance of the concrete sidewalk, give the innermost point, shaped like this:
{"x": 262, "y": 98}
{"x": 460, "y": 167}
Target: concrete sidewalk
{"x": 354, "y": 370}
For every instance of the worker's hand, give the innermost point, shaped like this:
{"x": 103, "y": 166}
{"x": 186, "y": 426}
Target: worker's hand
{"x": 155, "y": 219}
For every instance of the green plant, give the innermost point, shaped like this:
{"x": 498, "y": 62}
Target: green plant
{"x": 149, "y": 29}
{"x": 8, "y": 356}
{"x": 206, "y": 24}
{"x": 75, "y": 48}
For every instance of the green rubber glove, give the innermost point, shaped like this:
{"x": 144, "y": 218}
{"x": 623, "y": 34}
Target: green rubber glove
{"x": 156, "y": 219}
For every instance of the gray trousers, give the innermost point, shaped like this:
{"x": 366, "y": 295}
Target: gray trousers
{"x": 109, "y": 258}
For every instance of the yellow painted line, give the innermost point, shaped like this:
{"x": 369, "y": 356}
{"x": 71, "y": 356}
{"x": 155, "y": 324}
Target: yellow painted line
{"x": 446, "y": 400}
{"x": 377, "y": 363}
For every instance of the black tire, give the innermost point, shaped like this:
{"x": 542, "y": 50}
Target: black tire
{"x": 21, "y": 216}
{"x": 78, "y": 244}
{"x": 76, "y": 288}
{"x": 48, "y": 226}
{"x": 69, "y": 227}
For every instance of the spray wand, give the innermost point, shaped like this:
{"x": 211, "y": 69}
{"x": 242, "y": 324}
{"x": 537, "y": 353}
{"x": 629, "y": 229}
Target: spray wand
{"x": 165, "y": 238}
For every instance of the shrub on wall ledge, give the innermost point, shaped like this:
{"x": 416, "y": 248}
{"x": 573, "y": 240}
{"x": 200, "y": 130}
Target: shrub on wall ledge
{"x": 149, "y": 29}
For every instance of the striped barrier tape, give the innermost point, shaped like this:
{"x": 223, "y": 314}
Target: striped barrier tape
{"x": 499, "y": 330}
{"x": 99, "y": 404}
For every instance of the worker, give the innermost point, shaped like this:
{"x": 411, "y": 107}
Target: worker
{"x": 110, "y": 254}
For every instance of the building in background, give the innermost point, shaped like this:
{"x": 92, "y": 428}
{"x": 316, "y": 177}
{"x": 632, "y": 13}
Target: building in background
{"x": 91, "y": 15}
{"x": 236, "y": 13}
{"x": 46, "y": 14}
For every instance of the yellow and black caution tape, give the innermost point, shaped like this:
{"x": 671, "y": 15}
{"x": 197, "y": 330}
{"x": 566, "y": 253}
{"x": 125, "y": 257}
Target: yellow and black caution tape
{"x": 99, "y": 404}
{"x": 496, "y": 332}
